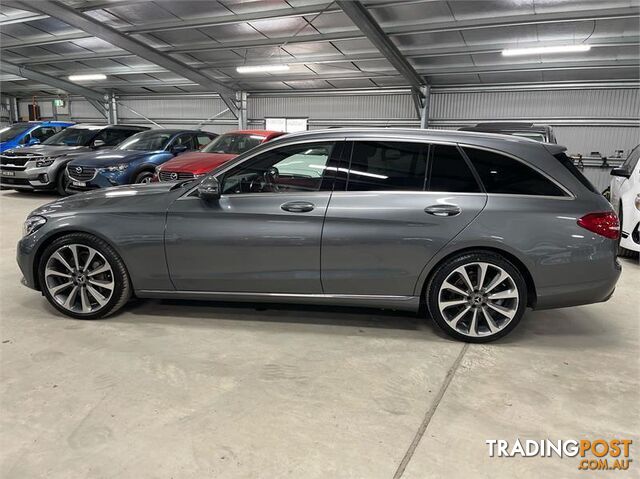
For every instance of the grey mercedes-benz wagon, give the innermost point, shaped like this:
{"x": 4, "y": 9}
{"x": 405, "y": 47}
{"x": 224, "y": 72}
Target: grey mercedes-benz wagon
{"x": 470, "y": 228}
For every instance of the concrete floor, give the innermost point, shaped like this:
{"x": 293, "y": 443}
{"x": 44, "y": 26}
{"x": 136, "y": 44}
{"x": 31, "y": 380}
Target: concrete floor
{"x": 207, "y": 390}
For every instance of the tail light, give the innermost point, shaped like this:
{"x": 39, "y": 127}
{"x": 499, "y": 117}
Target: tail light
{"x": 605, "y": 224}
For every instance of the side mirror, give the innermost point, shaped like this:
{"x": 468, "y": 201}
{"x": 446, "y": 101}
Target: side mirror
{"x": 209, "y": 189}
{"x": 33, "y": 141}
{"x": 620, "y": 172}
{"x": 177, "y": 149}
{"x": 98, "y": 143}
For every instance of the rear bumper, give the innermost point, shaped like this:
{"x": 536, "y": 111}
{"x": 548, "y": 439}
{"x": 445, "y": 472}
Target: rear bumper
{"x": 580, "y": 292}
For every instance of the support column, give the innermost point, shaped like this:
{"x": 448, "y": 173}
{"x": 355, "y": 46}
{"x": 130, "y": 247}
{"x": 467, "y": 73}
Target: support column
{"x": 13, "y": 109}
{"x": 241, "y": 100}
{"x": 425, "y": 92}
{"x": 113, "y": 109}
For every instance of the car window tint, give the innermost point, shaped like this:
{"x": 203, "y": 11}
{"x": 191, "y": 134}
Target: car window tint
{"x": 377, "y": 165}
{"x": 43, "y": 133}
{"x": 501, "y": 174}
{"x": 186, "y": 140}
{"x": 203, "y": 140}
{"x": 632, "y": 160}
{"x": 448, "y": 171}
{"x": 294, "y": 168}
{"x": 577, "y": 174}
{"x": 112, "y": 137}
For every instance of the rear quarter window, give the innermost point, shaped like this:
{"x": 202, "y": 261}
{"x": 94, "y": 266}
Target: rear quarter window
{"x": 577, "y": 174}
{"x": 502, "y": 174}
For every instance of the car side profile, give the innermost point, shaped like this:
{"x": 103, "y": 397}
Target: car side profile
{"x": 223, "y": 149}
{"x": 29, "y": 133}
{"x": 43, "y": 166}
{"x": 625, "y": 198}
{"x": 468, "y": 228}
{"x": 134, "y": 160}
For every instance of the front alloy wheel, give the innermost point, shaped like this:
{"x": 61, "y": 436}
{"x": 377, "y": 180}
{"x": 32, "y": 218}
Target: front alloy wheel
{"x": 477, "y": 297}
{"x": 83, "y": 277}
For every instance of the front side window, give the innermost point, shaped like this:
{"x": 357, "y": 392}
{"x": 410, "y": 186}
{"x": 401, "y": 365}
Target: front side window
{"x": 152, "y": 140}
{"x": 387, "y": 165}
{"x": 187, "y": 140}
{"x": 204, "y": 140}
{"x": 448, "y": 171}
{"x": 295, "y": 168}
{"x": 233, "y": 143}
{"x": 43, "y": 133}
{"x": 115, "y": 136}
{"x": 501, "y": 174}
{"x": 9, "y": 132}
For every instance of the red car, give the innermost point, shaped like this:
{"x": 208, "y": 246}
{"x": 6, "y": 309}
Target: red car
{"x": 219, "y": 151}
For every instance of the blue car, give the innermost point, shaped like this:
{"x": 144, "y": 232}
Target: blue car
{"x": 29, "y": 133}
{"x": 134, "y": 160}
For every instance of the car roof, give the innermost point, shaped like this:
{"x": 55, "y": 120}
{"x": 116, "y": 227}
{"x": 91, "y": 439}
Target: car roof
{"x": 507, "y": 126}
{"x": 111, "y": 127}
{"x": 258, "y": 132}
{"x": 175, "y": 131}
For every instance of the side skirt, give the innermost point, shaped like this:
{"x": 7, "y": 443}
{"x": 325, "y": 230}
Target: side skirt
{"x": 404, "y": 303}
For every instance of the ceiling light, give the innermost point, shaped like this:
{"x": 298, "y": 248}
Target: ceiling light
{"x": 512, "y": 52}
{"x": 90, "y": 76}
{"x": 262, "y": 68}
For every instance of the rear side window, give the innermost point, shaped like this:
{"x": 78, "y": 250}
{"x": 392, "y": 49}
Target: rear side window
{"x": 448, "y": 171}
{"x": 568, "y": 164}
{"x": 501, "y": 174}
{"x": 378, "y": 165}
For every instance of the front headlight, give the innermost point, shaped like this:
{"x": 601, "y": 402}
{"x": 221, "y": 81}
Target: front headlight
{"x": 32, "y": 224}
{"x": 114, "y": 168}
{"x": 45, "y": 162}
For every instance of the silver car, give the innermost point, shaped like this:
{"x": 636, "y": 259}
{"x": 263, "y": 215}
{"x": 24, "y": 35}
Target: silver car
{"x": 469, "y": 228}
{"x": 42, "y": 166}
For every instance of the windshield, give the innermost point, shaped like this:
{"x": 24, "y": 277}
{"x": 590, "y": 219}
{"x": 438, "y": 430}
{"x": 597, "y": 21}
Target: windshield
{"x": 12, "y": 131}
{"x": 73, "y": 137}
{"x": 146, "y": 141}
{"x": 233, "y": 143}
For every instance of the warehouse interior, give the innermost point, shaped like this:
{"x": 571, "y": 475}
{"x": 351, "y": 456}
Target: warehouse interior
{"x": 190, "y": 389}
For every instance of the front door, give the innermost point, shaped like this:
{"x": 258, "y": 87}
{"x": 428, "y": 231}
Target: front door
{"x": 263, "y": 234}
{"x": 402, "y": 203}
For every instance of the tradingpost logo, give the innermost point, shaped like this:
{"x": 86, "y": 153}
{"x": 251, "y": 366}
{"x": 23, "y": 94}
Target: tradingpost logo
{"x": 593, "y": 455}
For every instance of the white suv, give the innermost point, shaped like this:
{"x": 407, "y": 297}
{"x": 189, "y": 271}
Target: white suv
{"x": 625, "y": 198}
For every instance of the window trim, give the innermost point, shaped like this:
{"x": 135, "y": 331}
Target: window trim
{"x": 569, "y": 194}
{"x": 337, "y": 140}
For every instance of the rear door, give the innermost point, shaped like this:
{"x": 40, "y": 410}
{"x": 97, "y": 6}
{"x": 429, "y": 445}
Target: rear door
{"x": 400, "y": 203}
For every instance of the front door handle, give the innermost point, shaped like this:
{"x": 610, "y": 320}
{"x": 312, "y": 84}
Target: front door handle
{"x": 443, "y": 210}
{"x": 298, "y": 207}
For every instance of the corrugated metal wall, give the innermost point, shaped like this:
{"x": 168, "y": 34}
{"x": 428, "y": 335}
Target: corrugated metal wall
{"x": 586, "y": 119}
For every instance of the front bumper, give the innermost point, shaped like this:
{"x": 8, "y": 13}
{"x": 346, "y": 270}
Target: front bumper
{"x": 25, "y": 256}
{"x": 26, "y": 178}
{"x": 102, "y": 179}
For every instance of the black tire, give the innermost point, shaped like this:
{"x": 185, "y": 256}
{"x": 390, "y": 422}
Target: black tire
{"x": 143, "y": 177}
{"x": 122, "y": 283}
{"x": 63, "y": 182}
{"x": 443, "y": 271}
{"x": 622, "y": 251}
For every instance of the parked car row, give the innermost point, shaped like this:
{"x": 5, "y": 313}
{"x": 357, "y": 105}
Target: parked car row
{"x": 85, "y": 157}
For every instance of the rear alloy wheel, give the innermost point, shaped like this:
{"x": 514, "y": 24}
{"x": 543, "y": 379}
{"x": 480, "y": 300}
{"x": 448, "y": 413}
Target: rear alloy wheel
{"x": 144, "y": 177}
{"x": 477, "y": 297}
{"x": 83, "y": 277}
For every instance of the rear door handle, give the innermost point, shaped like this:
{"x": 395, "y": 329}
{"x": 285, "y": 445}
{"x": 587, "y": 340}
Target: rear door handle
{"x": 298, "y": 207}
{"x": 443, "y": 210}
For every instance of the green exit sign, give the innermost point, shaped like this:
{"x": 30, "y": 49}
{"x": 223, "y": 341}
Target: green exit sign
{"x": 58, "y": 102}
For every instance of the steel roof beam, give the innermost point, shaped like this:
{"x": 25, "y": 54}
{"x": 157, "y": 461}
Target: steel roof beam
{"x": 365, "y": 22}
{"x": 67, "y": 86}
{"x": 97, "y": 29}
{"x": 437, "y": 27}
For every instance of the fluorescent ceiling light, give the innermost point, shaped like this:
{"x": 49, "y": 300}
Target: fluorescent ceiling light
{"x": 512, "y": 52}
{"x": 262, "y": 68}
{"x": 90, "y": 76}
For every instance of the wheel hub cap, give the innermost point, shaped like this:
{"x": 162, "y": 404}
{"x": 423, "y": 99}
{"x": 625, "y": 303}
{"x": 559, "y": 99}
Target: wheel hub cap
{"x": 478, "y": 299}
